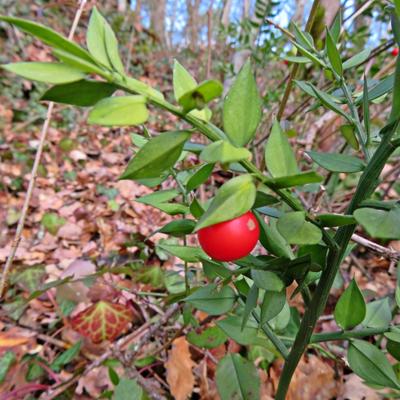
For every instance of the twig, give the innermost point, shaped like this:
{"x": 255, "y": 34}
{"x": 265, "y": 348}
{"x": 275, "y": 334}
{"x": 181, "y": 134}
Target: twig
{"x": 387, "y": 252}
{"x": 32, "y": 180}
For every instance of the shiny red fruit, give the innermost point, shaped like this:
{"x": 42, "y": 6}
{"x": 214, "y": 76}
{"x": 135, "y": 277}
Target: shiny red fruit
{"x": 230, "y": 240}
{"x": 395, "y": 51}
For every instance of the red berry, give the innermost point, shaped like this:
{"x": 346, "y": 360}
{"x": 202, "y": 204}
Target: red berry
{"x": 286, "y": 62}
{"x": 395, "y": 51}
{"x": 230, "y": 240}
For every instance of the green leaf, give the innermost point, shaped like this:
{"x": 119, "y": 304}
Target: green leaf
{"x": 196, "y": 209}
{"x": 326, "y": 100}
{"x": 379, "y": 314}
{"x": 95, "y": 38}
{"x": 48, "y": 36}
{"x": 267, "y": 280}
{"x": 264, "y": 199}
{"x": 370, "y": 364}
{"x": 348, "y": 133}
{"x": 336, "y": 162}
{"x": 237, "y": 378}
{"x": 186, "y": 253}
{"x": 52, "y": 222}
{"x": 66, "y": 357}
{"x": 179, "y": 227}
{"x": 119, "y": 111}
{"x": 156, "y": 156}
{"x": 200, "y": 95}
{"x": 209, "y": 338}
{"x": 272, "y": 305}
{"x": 250, "y": 305}
{"x": 159, "y": 200}
{"x": 29, "y": 278}
{"x": 366, "y": 116}
{"x": 357, "y": 59}
{"x": 350, "y": 310}
{"x": 6, "y": 361}
{"x": 182, "y": 80}
{"x": 234, "y": 198}
{"x": 300, "y": 179}
{"x": 297, "y": 59}
{"x": 128, "y": 389}
{"x": 45, "y": 72}
{"x": 333, "y": 54}
{"x": 211, "y": 300}
{"x": 224, "y": 152}
{"x": 331, "y": 220}
{"x": 199, "y": 177}
{"x": 302, "y": 38}
{"x": 83, "y": 93}
{"x": 279, "y": 155}
{"x": 143, "y": 89}
{"x": 296, "y": 230}
{"x": 381, "y": 224}
{"x": 336, "y": 26}
{"x": 112, "y": 49}
{"x": 272, "y": 240}
{"x": 242, "y": 108}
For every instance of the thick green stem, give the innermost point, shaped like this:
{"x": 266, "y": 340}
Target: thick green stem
{"x": 367, "y": 184}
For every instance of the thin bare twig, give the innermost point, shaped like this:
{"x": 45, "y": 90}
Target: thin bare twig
{"x": 36, "y": 164}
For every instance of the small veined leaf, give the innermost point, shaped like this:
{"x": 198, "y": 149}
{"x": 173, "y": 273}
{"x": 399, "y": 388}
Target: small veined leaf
{"x": 199, "y": 177}
{"x": 233, "y": 199}
{"x": 119, "y": 111}
{"x": 336, "y": 162}
{"x": 82, "y": 93}
{"x": 350, "y": 310}
{"x": 348, "y": 133}
{"x": 198, "y": 97}
{"x": 300, "y": 179}
{"x": 156, "y": 156}
{"x": 48, "y": 36}
{"x": 182, "y": 80}
{"x": 209, "y": 338}
{"x": 333, "y": 54}
{"x": 102, "y": 321}
{"x": 267, "y": 280}
{"x": 251, "y": 304}
{"x": 296, "y": 230}
{"x": 357, "y": 59}
{"x": 112, "y": 49}
{"x": 368, "y": 362}
{"x": 237, "y": 378}
{"x": 242, "y": 108}
{"x": 381, "y": 224}
{"x": 331, "y": 220}
{"x": 95, "y": 38}
{"x": 211, "y": 300}
{"x": 279, "y": 155}
{"x": 186, "y": 253}
{"x": 379, "y": 314}
{"x": 224, "y": 152}
{"x": 45, "y": 72}
{"x": 272, "y": 305}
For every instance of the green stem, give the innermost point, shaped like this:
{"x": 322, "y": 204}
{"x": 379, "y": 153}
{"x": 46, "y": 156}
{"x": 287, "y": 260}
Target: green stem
{"x": 277, "y": 342}
{"x": 366, "y": 186}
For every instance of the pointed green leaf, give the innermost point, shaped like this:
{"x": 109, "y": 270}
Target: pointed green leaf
{"x": 237, "y": 378}
{"x": 212, "y": 300}
{"x": 233, "y": 199}
{"x": 350, "y": 310}
{"x": 199, "y": 177}
{"x": 201, "y": 95}
{"x": 119, "y": 111}
{"x": 337, "y": 162}
{"x": 296, "y": 230}
{"x": 156, "y": 156}
{"x": 112, "y": 49}
{"x": 267, "y": 280}
{"x": 357, "y": 59}
{"x": 182, "y": 80}
{"x": 224, "y": 152}
{"x": 45, "y": 72}
{"x": 348, "y": 133}
{"x": 379, "y": 314}
{"x": 83, "y": 93}
{"x": 333, "y": 54}
{"x": 303, "y": 178}
{"x": 242, "y": 108}
{"x": 279, "y": 155}
{"x": 272, "y": 305}
{"x": 381, "y": 224}
{"x": 251, "y": 304}
{"x": 185, "y": 253}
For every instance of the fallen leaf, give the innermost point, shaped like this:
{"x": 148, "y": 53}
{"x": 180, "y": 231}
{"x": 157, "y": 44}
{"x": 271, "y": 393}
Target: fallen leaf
{"x": 7, "y": 340}
{"x": 179, "y": 369}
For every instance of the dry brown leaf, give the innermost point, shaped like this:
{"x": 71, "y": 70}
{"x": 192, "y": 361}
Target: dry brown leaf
{"x": 354, "y": 388}
{"x": 179, "y": 369}
{"x": 7, "y": 340}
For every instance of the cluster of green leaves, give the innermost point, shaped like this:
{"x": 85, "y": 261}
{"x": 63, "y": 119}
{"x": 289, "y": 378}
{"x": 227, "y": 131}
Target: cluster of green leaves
{"x": 251, "y": 294}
